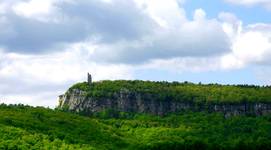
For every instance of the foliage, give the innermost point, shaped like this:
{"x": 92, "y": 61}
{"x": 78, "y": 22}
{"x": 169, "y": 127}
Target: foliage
{"x": 24, "y": 127}
{"x": 47, "y": 127}
{"x": 186, "y": 92}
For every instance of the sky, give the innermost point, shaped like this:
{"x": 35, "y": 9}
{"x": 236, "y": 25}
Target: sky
{"x": 47, "y": 46}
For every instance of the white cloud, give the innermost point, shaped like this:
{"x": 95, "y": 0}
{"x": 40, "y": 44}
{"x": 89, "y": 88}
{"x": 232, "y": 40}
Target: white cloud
{"x": 113, "y": 39}
{"x": 2, "y": 8}
{"x": 122, "y": 31}
{"x": 5, "y": 6}
{"x": 186, "y": 64}
{"x": 153, "y": 29}
{"x": 43, "y": 26}
{"x": 167, "y": 14}
{"x": 174, "y": 38}
{"x": 33, "y": 8}
{"x": 199, "y": 15}
{"x": 230, "y": 24}
{"x": 250, "y": 45}
{"x": 38, "y": 80}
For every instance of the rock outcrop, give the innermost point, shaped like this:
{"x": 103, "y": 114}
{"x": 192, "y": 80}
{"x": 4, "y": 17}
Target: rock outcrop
{"x": 77, "y": 101}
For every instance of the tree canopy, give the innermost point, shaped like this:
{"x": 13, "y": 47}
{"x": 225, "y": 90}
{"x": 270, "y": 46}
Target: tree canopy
{"x": 24, "y": 127}
{"x": 186, "y": 91}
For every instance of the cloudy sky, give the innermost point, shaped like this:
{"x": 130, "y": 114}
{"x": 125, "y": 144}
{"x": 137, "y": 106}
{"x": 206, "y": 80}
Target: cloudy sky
{"x": 48, "y": 45}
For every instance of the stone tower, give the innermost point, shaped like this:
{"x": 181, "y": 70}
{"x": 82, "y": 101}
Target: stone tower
{"x": 89, "y": 79}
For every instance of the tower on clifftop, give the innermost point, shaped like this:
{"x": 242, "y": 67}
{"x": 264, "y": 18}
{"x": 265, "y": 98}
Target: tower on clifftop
{"x": 89, "y": 79}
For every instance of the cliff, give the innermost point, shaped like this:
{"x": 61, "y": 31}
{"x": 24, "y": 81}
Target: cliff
{"x": 127, "y": 100}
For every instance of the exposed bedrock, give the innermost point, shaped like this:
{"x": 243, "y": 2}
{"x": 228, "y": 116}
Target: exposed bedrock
{"x": 78, "y": 101}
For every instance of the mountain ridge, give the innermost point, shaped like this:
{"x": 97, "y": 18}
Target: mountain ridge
{"x": 161, "y": 98}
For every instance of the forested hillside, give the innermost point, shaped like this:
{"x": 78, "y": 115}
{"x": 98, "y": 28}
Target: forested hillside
{"x": 189, "y": 92}
{"x": 24, "y": 127}
{"x": 161, "y": 98}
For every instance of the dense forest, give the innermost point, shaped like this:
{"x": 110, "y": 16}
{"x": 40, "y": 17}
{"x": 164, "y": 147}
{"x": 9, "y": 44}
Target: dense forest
{"x": 187, "y": 92}
{"x": 25, "y": 127}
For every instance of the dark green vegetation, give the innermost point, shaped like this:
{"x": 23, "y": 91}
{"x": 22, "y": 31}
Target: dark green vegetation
{"x": 24, "y": 127}
{"x": 186, "y": 92}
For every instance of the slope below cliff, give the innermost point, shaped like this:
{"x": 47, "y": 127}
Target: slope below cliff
{"x": 160, "y": 98}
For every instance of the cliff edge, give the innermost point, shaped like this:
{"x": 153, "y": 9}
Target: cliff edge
{"x": 161, "y": 98}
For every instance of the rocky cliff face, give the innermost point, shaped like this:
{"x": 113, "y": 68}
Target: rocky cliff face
{"x": 77, "y": 101}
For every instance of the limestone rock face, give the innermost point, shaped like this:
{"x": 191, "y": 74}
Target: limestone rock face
{"x": 124, "y": 100}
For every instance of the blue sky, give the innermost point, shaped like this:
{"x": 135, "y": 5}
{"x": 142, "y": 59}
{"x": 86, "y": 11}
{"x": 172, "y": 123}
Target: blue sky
{"x": 46, "y": 46}
{"x": 240, "y": 76}
{"x": 248, "y": 14}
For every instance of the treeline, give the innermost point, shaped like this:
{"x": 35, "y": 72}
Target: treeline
{"x": 26, "y": 128}
{"x": 186, "y": 91}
